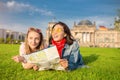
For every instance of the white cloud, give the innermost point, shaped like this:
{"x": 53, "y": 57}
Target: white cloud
{"x": 14, "y": 27}
{"x": 13, "y": 6}
{"x": 10, "y": 4}
{"x": 107, "y": 21}
{"x": 19, "y": 27}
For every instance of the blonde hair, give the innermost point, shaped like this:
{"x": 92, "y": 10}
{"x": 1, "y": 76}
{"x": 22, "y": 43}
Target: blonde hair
{"x": 41, "y": 44}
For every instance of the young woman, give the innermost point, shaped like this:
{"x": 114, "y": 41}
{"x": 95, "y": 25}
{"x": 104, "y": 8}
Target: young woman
{"x": 68, "y": 48}
{"x": 33, "y": 43}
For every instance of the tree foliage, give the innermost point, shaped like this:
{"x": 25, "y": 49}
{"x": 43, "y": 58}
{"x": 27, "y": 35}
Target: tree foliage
{"x": 118, "y": 13}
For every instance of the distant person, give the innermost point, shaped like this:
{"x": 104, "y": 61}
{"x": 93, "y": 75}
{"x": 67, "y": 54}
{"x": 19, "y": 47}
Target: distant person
{"x": 67, "y": 46}
{"x": 33, "y": 43}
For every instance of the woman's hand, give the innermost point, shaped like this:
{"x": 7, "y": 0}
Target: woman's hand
{"x": 35, "y": 67}
{"x": 18, "y": 58}
{"x": 64, "y": 63}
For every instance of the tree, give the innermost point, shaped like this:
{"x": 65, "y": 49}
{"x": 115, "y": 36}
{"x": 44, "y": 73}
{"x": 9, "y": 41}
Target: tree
{"x": 117, "y": 21}
{"x": 1, "y": 40}
{"x": 118, "y": 13}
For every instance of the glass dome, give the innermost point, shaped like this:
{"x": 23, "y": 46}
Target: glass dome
{"x": 85, "y": 22}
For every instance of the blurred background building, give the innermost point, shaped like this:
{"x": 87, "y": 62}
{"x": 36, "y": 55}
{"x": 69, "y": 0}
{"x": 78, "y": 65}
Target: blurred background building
{"x": 9, "y": 36}
{"x": 86, "y": 33}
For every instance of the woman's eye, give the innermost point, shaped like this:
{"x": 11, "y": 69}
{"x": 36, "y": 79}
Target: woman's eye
{"x": 30, "y": 37}
{"x": 37, "y": 38}
{"x": 57, "y": 30}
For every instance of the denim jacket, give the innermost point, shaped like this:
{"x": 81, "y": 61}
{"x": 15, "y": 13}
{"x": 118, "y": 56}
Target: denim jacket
{"x": 72, "y": 54}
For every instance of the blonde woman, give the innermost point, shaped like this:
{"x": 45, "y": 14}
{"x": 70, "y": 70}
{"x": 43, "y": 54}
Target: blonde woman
{"x": 33, "y": 43}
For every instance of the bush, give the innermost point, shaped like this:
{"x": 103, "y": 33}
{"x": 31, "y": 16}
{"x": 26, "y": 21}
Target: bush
{"x": 1, "y": 40}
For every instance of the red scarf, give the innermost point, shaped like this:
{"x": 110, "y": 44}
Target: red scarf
{"x": 60, "y": 45}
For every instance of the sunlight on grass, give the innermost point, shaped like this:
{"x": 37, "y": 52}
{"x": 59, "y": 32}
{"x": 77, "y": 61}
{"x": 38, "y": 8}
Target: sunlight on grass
{"x": 103, "y": 65}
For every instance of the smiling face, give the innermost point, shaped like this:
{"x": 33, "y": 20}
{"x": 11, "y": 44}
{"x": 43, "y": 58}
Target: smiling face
{"x": 58, "y": 33}
{"x": 33, "y": 39}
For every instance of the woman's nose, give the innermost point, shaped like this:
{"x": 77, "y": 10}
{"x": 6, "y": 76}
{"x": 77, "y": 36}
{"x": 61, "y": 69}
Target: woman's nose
{"x": 33, "y": 40}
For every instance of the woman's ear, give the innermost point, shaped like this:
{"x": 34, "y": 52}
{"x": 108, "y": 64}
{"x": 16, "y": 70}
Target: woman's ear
{"x": 65, "y": 35}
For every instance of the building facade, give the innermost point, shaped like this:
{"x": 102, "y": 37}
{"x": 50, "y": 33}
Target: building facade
{"x": 12, "y": 35}
{"x": 48, "y": 31}
{"x": 89, "y": 36}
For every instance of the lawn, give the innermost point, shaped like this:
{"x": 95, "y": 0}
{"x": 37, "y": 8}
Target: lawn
{"x": 104, "y": 64}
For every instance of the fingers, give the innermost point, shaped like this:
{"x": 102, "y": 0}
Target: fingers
{"x": 21, "y": 59}
{"x": 18, "y": 58}
{"x": 15, "y": 58}
{"x": 35, "y": 67}
{"x": 64, "y": 63}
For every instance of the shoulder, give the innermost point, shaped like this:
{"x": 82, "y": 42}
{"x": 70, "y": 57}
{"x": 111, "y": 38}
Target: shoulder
{"x": 75, "y": 45}
{"x": 22, "y": 49}
{"x": 22, "y": 45}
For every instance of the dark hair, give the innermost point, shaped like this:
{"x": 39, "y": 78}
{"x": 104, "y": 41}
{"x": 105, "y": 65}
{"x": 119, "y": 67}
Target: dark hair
{"x": 69, "y": 38}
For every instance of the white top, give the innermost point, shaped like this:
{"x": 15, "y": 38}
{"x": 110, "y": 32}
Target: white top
{"x": 22, "y": 49}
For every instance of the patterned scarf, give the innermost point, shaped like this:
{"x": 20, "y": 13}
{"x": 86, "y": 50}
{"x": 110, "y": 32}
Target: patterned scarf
{"x": 60, "y": 45}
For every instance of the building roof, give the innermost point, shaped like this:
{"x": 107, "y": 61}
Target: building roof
{"x": 85, "y": 22}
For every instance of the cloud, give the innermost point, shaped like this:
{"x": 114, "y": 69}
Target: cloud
{"x": 9, "y": 4}
{"x": 107, "y": 21}
{"x": 43, "y": 24}
{"x": 14, "y": 27}
{"x": 13, "y": 6}
{"x": 21, "y": 27}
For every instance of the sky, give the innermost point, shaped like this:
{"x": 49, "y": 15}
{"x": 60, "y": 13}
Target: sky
{"x": 19, "y": 15}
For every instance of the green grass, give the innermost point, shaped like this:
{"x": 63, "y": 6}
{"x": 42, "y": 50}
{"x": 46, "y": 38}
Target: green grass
{"x": 104, "y": 64}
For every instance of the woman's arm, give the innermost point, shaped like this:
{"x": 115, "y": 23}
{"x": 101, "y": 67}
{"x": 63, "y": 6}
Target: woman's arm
{"x": 20, "y": 58}
{"x": 75, "y": 58}
{"x": 27, "y": 65}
